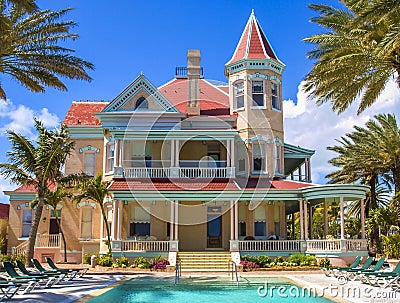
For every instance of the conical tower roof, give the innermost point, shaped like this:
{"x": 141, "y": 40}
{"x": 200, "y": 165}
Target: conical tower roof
{"x": 253, "y": 43}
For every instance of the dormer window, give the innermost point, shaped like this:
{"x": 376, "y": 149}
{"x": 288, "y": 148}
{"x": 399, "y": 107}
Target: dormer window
{"x": 141, "y": 104}
{"x": 239, "y": 95}
{"x": 276, "y": 104}
{"x": 257, "y": 89}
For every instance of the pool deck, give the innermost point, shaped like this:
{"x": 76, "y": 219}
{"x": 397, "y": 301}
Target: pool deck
{"x": 97, "y": 281}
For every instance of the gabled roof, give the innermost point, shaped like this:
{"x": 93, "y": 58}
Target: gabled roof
{"x": 83, "y": 113}
{"x": 253, "y": 43}
{"x": 213, "y": 100}
{"x": 140, "y": 83}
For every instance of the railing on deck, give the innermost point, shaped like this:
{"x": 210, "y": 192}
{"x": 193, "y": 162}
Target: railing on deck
{"x": 135, "y": 245}
{"x": 47, "y": 240}
{"x": 270, "y": 245}
{"x": 204, "y": 172}
{"x": 146, "y": 172}
{"x": 323, "y": 245}
{"x": 20, "y": 249}
{"x": 356, "y": 244}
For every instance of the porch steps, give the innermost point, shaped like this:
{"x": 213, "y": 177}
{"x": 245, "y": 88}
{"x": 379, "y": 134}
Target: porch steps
{"x": 204, "y": 261}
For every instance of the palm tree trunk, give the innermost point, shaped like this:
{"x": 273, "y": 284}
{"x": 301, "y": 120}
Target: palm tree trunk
{"x": 374, "y": 236}
{"x": 396, "y": 181}
{"x": 107, "y": 230}
{"x": 35, "y": 225}
{"x": 64, "y": 241}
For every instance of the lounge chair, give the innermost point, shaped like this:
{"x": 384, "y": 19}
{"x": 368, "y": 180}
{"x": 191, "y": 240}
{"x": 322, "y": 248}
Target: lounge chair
{"x": 80, "y": 271}
{"x": 41, "y": 269}
{"x": 356, "y": 273}
{"x": 378, "y": 278}
{"x": 53, "y": 276}
{"x": 8, "y": 289}
{"x": 29, "y": 282}
{"x": 331, "y": 271}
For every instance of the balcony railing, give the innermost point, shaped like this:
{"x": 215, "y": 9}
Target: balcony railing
{"x": 47, "y": 240}
{"x": 270, "y": 245}
{"x": 323, "y": 245}
{"x": 161, "y": 169}
{"x": 134, "y": 245}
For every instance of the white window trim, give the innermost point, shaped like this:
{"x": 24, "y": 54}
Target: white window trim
{"x": 109, "y": 144}
{"x": 234, "y": 95}
{"x": 264, "y": 97}
{"x": 279, "y": 99}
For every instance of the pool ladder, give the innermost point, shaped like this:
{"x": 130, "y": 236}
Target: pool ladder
{"x": 234, "y": 273}
{"x": 178, "y": 270}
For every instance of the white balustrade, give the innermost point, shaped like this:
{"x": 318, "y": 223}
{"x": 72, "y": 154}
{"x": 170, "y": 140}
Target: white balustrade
{"x": 323, "y": 245}
{"x": 204, "y": 172}
{"x": 47, "y": 240}
{"x": 140, "y": 245}
{"x": 146, "y": 172}
{"x": 356, "y": 244}
{"x": 21, "y": 249}
{"x": 270, "y": 245}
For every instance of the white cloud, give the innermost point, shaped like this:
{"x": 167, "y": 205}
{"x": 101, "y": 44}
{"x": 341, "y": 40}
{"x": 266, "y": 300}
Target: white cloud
{"x": 316, "y": 127}
{"x": 20, "y": 118}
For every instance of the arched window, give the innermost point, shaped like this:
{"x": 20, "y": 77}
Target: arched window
{"x": 141, "y": 103}
{"x": 257, "y": 90}
{"x": 239, "y": 94}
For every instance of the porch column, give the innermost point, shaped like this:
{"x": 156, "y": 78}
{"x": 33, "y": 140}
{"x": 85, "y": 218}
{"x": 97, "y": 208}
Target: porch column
{"x": 305, "y": 220}
{"x": 171, "y": 221}
{"x": 121, "y": 153}
{"x": 362, "y": 218}
{"x": 116, "y": 152}
{"x": 172, "y": 153}
{"x": 325, "y": 219}
{"x": 114, "y": 221}
{"x": 119, "y": 228}
{"x": 311, "y": 221}
{"x": 231, "y": 210}
{"x": 176, "y": 219}
{"x": 228, "y": 153}
{"x": 236, "y": 220}
{"x": 341, "y": 218}
{"x": 301, "y": 219}
{"x": 176, "y": 153}
{"x": 232, "y": 156}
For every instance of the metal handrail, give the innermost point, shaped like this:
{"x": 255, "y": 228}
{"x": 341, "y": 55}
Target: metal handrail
{"x": 178, "y": 270}
{"x": 233, "y": 271}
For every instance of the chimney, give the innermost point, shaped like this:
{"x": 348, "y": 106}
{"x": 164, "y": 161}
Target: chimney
{"x": 193, "y": 73}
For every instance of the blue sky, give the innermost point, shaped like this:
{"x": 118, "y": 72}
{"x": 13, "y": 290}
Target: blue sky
{"x": 129, "y": 37}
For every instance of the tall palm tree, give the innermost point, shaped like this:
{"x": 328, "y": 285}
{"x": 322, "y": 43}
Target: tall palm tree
{"x": 30, "y": 52}
{"x": 97, "y": 191}
{"x": 357, "y": 55}
{"x": 53, "y": 198}
{"x": 37, "y": 163}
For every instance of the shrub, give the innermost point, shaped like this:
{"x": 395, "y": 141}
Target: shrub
{"x": 279, "y": 259}
{"x": 248, "y": 265}
{"x": 296, "y": 258}
{"x": 87, "y": 258}
{"x": 263, "y": 261}
{"x": 105, "y": 260}
{"x": 12, "y": 258}
{"x": 122, "y": 262}
{"x": 324, "y": 263}
{"x": 160, "y": 264}
{"x": 142, "y": 262}
{"x": 391, "y": 246}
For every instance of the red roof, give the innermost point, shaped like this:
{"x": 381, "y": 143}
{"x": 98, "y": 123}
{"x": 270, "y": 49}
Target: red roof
{"x": 83, "y": 113}
{"x": 253, "y": 43}
{"x": 30, "y": 188}
{"x": 4, "y": 210}
{"x": 266, "y": 184}
{"x": 213, "y": 100}
{"x": 176, "y": 184}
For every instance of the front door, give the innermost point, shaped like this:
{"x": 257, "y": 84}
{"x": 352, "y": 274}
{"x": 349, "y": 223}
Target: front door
{"x": 214, "y": 227}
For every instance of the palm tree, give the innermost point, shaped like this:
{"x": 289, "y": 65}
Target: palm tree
{"x": 29, "y": 50}
{"x": 96, "y": 190}
{"x": 357, "y": 55}
{"x": 52, "y": 198}
{"x": 37, "y": 163}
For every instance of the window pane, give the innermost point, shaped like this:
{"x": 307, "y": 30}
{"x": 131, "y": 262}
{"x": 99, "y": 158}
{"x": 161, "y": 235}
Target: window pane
{"x": 257, "y": 87}
{"x": 27, "y": 216}
{"x": 258, "y": 99}
{"x": 275, "y": 96}
{"x": 259, "y": 229}
{"x": 239, "y": 95}
{"x": 139, "y": 229}
{"x": 90, "y": 163}
{"x": 86, "y": 223}
{"x": 110, "y": 156}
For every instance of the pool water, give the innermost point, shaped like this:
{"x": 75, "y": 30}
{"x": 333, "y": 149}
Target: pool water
{"x": 196, "y": 290}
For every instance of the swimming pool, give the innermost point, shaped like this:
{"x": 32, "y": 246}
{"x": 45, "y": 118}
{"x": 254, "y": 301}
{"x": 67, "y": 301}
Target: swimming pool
{"x": 196, "y": 290}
